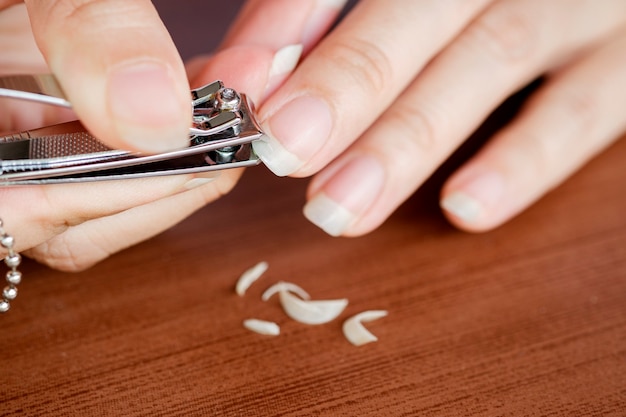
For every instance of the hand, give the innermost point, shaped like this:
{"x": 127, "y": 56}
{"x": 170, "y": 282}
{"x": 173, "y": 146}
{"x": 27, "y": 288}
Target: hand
{"x": 381, "y": 102}
{"x": 119, "y": 68}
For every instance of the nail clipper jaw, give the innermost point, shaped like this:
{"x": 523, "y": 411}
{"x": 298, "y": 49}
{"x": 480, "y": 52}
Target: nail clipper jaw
{"x": 223, "y": 129}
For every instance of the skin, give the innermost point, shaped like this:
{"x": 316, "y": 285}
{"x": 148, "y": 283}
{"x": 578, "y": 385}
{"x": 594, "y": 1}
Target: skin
{"x": 371, "y": 111}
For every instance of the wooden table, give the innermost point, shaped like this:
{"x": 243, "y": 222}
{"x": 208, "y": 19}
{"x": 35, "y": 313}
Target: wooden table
{"x": 526, "y": 320}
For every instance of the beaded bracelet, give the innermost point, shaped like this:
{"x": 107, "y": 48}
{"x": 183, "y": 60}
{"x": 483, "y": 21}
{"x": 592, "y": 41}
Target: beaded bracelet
{"x": 13, "y": 277}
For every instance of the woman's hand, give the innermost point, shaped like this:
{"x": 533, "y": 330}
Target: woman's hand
{"x": 120, "y": 69}
{"x": 382, "y": 101}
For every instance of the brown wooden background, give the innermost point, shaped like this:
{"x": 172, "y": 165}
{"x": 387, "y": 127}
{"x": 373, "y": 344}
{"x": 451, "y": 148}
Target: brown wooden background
{"x": 527, "y": 320}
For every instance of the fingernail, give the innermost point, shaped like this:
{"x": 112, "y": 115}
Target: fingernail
{"x": 285, "y": 60}
{"x": 294, "y": 134}
{"x": 148, "y": 113}
{"x": 347, "y": 195}
{"x": 475, "y": 197}
{"x": 328, "y": 215}
{"x": 322, "y": 15}
{"x": 201, "y": 179}
{"x": 462, "y": 206}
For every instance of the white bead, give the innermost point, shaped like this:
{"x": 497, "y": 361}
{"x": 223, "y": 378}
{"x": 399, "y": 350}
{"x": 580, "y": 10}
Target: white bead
{"x": 14, "y": 277}
{"x": 7, "y": 241}
{"x": 13, "y": 261}
{"x": 4, "y": 306}
{"x": 10, "y": 292}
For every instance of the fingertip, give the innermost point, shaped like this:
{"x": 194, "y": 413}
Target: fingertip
{"x": 346, "y": 198}
{"x": 463, "y": 211}
{"x": 146, "y": 108}
{"x": 474, "y": 199}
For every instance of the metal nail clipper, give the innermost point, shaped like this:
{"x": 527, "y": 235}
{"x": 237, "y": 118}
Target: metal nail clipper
{"x": 222, "y": 131}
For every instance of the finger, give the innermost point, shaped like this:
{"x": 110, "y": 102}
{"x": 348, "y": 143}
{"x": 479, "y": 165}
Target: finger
{"x": 276, "y": 23}
{"x": 511, "y": 43}
{"x": 351, "y": 78}
{"x": 289, "y": 28}
{"x": 119, "y": 68}
{"x": 579, "y": 112}
{"x": 37, "y": 214}
{"x": 6, "y": 3}
{"x": 82, "y": 246}
{"x": 20, "y": 54}
{"x": 249, "y": 69}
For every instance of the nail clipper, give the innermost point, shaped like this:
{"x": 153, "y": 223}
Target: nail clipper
{"x": 221, "y": 135}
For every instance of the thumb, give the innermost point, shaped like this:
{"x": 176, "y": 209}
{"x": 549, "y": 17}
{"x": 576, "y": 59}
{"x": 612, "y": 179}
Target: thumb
{"x": 119, "y": 68}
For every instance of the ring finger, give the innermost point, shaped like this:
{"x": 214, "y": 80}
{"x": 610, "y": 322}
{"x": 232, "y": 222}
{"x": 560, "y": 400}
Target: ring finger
{"x": 351, "y": 77}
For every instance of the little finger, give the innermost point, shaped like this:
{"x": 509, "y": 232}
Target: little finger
{"x": 83, "y": 245}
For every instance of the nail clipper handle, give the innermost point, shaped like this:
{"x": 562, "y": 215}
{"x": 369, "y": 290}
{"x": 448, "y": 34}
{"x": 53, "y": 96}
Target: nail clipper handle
{"x": 63, "y": 145}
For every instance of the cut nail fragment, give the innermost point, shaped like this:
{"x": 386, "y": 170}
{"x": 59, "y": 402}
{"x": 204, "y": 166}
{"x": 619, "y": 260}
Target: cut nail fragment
{"x": 354, "y": 330}
{"x": 285, "y": 286}
{"x": 249, "y": 277}
{"x": 311, "y": 311}
{"x": 297, "y": 304}
{"x": 264, "y": 327}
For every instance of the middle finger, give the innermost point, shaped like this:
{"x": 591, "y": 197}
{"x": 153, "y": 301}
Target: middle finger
{"x": 352, "y": 77}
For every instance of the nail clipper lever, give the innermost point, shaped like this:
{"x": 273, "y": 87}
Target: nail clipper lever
{"x": 223, "y": 129}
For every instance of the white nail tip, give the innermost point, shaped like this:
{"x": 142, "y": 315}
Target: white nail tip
{"x": 264, "y": 327}
{"x": 249, "y": 277}
{"x": 285, "y": 60}
{"x": 280, "y": 161}
{"x": 462, "y": 206}
{"x": 311, "y": 311}
{"x": 335, "y": 4}
{"x": 328, "y": 215}
{"x": 354, "y": 330}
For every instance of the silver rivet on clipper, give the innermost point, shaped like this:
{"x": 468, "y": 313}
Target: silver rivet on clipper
{"x": 227, "y": 99}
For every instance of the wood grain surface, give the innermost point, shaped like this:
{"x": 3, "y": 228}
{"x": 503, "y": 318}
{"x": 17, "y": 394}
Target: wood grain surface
{"x": 526, "y": 320}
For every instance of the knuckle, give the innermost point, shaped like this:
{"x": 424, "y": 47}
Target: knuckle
{"x": 419, "y": 127}
{"x": 573, "y": 113}
{"x": 362, "y": 60}
{"x": 108, "y": 14}
{"x": 578, "y": 106}
{"x": 505, "y": 33}
{"x": 65, "y": 255}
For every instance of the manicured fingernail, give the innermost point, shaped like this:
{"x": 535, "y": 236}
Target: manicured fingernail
{"x": 328, "y": 215}
{"x": 462, "y": 206}
{"x": 347, "y": 195}
{"x": 476, "y": 196}
{"x": 295, "y": 133}
{"x": 322, "y": 15}
{"x": 147, "y": 110}
{"x": 285, "y": 60}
